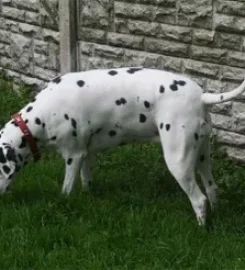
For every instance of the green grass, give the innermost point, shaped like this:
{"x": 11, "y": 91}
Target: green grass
{"x": 136, "y": 216}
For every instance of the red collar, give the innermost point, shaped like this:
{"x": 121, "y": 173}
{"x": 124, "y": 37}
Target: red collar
{"x": 28, "y": 136}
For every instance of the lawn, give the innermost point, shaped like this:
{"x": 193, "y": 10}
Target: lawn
{"x": 135, "y": 217}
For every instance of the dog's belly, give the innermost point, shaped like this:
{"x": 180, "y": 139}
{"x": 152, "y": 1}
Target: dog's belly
{"x": 108, "y": 138}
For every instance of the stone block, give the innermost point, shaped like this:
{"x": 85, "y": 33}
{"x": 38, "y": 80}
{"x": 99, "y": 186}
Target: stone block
{"x": 87, "y": 63}
{"x": 236, "y": 59}
{"x": 235, "y": 153}
{"x": 48, "y": 14}
{"x": 134, "y": 11}
{"x": 231, "y": 7}
{"x": 5, "y": 36}
{"x": 22, "y": 53}
{"x": 33, "y": 5}
{"x": 5, "y": 62}
{"x": 142, "y": 28}
{"x": 230, "y": 138}
{"x": 202, "y": 69}
{"x": 95, "y": 14}
{"x": 136, "y": 58}
{"x": 166, "y": 47}
{"x": 236, "y": 123}
{"x": 195, "y": 13}
{"x": 5, "y": 50}
{"x": 212, "y": 55}
{"x": 32, "y": 18}
{"x": 175, "y": 33}
{"x": 238, "y": 107}
{"x": 165, "y": 15}
{"x": 86, "y": 48}
{"x": 229, "y": 41}
{"x": 92, "y": 35}
{"x": 230, "y": 24}
{"x": 44, "y": 74}
{"x": 222, "y": 108}
{"x": 232, "y": 74}
{"x": 203, "y": 37}
{"x": 40, "y": 46}
{"x": 13, "y": 13}
{"x": 108, "y": 52}
{"x": 126, "y": 41}
{"x": 51, "y": 36}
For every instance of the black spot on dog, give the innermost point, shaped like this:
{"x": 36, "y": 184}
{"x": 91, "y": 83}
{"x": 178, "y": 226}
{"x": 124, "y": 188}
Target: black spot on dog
{"x": 181, "y": 83}
{"x": 26, "y": 121}
{"x": 29, "y": 109}
{"x": 2, "y": 157}
{"x": 173, "y": 87}
{"x": 66, "y": 116}
{"x": 11, "y": 155}
{"x": 112, "y": 72}
{"x": 53, "y": 138}
{"x": 112, "y": 133}
{"x": 147, "y": 104}
{"x": 23, "y": 142}
{"x": 118, "y": 102}
{"x": 57, "y": 80}
{"x": 202, "y": 158}
{"x": 221, "y": 97}
{"x": 43, "y": 125}
{"x": 69, "y": 161}
{"x": 142, "y": 118}
{"x": 123, "y": 101}
{"x": 38, "y": 121}
{"x": 20, "y": 157}
{"x": 89, "y": 122}
{"x": 74, "y": 123}
{"x": 210, "y": 183}
{"x": 196, "y": 136}
{"x": 13, "y": 123}
{"x": 6, "y": 169}
{"x": 80, "y": 83}
{"x": 133, "y": 70}
{"x": 74, "y": 133}
{"x": 167, "y": 127}
{"x": 161, "y": 126}
{"x": 162, "y": 89}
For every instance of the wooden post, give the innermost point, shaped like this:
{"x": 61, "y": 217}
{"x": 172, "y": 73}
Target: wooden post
{"x": 68, "y": 35}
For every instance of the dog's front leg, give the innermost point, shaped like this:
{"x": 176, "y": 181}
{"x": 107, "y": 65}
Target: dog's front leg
{"x": 72, "y": 167}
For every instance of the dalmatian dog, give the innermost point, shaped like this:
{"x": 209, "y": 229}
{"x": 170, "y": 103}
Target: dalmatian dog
{"x": 84, "y": 112}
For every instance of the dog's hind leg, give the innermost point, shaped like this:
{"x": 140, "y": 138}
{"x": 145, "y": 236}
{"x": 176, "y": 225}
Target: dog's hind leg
{"x": 180, "y": 147}
{"x": 204, "y": 169}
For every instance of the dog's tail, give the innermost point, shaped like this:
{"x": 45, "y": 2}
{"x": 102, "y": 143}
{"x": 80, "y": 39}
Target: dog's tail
{"x": 209, "y": 98}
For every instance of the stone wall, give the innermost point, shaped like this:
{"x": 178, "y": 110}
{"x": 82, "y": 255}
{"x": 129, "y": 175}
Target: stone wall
{"x": 204, "y": 39}
{"x": 29, "y": 40}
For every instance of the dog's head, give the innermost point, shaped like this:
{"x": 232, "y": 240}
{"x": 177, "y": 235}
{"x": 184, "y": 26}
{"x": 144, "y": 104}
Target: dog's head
{"x": 8, "y": 165}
